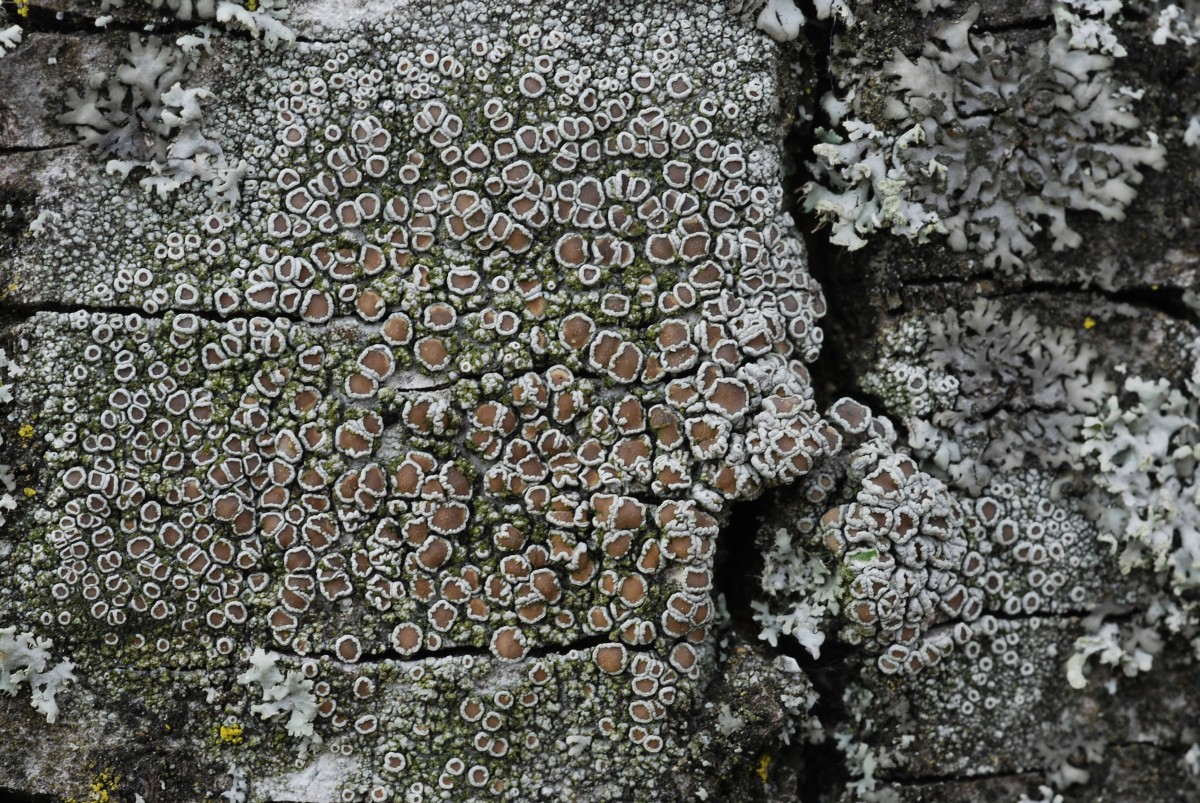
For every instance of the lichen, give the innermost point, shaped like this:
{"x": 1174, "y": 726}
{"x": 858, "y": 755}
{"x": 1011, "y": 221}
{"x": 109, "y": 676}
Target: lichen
{"x": 987, "y": 144}
{"x": 10, "y": 37}
{"x": 451, "y": 397}
{"x": 25, "y": 659}
{"x": 9, "y": 370}
{"x": 779, "y": 19}
{"x": 1142, "y": 447}
{"x": 982, "y": 389}
{"x": 144, "y": 119}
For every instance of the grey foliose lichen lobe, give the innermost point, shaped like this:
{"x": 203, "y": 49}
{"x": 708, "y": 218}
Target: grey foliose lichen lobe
{"x": 986, "y": 142}
{"x": 1141, "y": 445}
{"x": 10, "y": 37}
{"x": 143, "y": 118}
{"x": 981, "y": 389}
{"x": 26, "y": 659}
{"x": 449, "y": 391}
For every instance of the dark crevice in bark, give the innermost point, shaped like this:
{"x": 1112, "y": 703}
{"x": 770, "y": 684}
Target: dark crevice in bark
{"x": 14, "y": 151}
{"x": 845, "y": 325}
{"x": 540, "y": 651}
{"x": 738, "y": 564}
{"x": 20, "y": 312}
{"x": 1133, "y": 12}
{"x": 823, "y": 765}
{"x": 1177, "y": 749}
{"x": 849, "y": 319}
{"x": 10, "y": 795}
{"x": 132, "y": 19}
{"x": 1167, "y": 300}
{"x": 461, "y": 651}
{"x": 1073, "y": 613}
{"x": 46, "y": 20}
{"x": 1035, "y": 773}
{"x": 822, "y": 769}
{"x": 1037, "y": 24}
{"x": 1039, "y": 614}
{"x": 738, "y": 569}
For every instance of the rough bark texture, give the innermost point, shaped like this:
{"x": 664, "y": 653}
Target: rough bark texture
{"x": 602, "y": 402}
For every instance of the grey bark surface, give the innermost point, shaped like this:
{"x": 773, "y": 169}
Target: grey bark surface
{"x": 1073, "y": 677}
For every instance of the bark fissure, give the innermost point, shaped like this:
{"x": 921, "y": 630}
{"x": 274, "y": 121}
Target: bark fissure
{"x": 10, "y": 795}
{"x": 46, "y": 20}
{"x": 16, "y": 151}
{"x": 1167, "y": 300}
{"x": 1078, "y": 613}
{"x": 1163, "y": 299}
{"x": 20, "y": 312}
{"x": 1030, "y": 24}
{"x": 463, "y": 651}
{"x": 983, "y": 777}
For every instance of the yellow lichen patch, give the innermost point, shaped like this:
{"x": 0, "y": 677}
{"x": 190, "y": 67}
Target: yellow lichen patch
{"x": 100, "y": 789}
{"x": 22, "y": 8}
{"x": 1089, "y": 322}
{"x": 231, "y": 733}
{"x": 764, "y": 763}
{"x": 26, "y": 431}
{"x": 30, "y": 492}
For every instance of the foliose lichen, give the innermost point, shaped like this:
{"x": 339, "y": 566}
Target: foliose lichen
{"x": 982, "y": 389}
{"x": 983, "y": 142}
{"x": 1142, "y": 446}
{"x": 25, "y": 659}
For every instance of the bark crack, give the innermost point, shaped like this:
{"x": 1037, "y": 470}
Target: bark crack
{"x": 42, "y": 19}
{"x": 1107, "y": 615}
{"x": 1167, "y": 300}
{"x": 17, "y": 150}
{"x": 21, "y": 312}
{"x": 465, "y": 651}
{"x": 1164, "y": 299}
{"x": 983, "y": 777}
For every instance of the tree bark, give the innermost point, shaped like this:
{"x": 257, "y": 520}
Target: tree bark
{"x": 599, "y": 401}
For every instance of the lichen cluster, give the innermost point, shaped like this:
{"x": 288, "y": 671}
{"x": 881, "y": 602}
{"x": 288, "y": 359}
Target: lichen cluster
{"x": 986, "y": 143}
{"x": 25, "y": 659}
{"x": 259, "y": 18}
{"x": 143, "y": 119}
{"x": 492, "y": 325}
{"x": 1143, "y": 447}
{"x": 981, "y": 389}
{"x": 9, "y": 370}
{"x": 1178, "y": 27}
{"x": 875, "y": 550}
{"x": 423, "y": 357}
